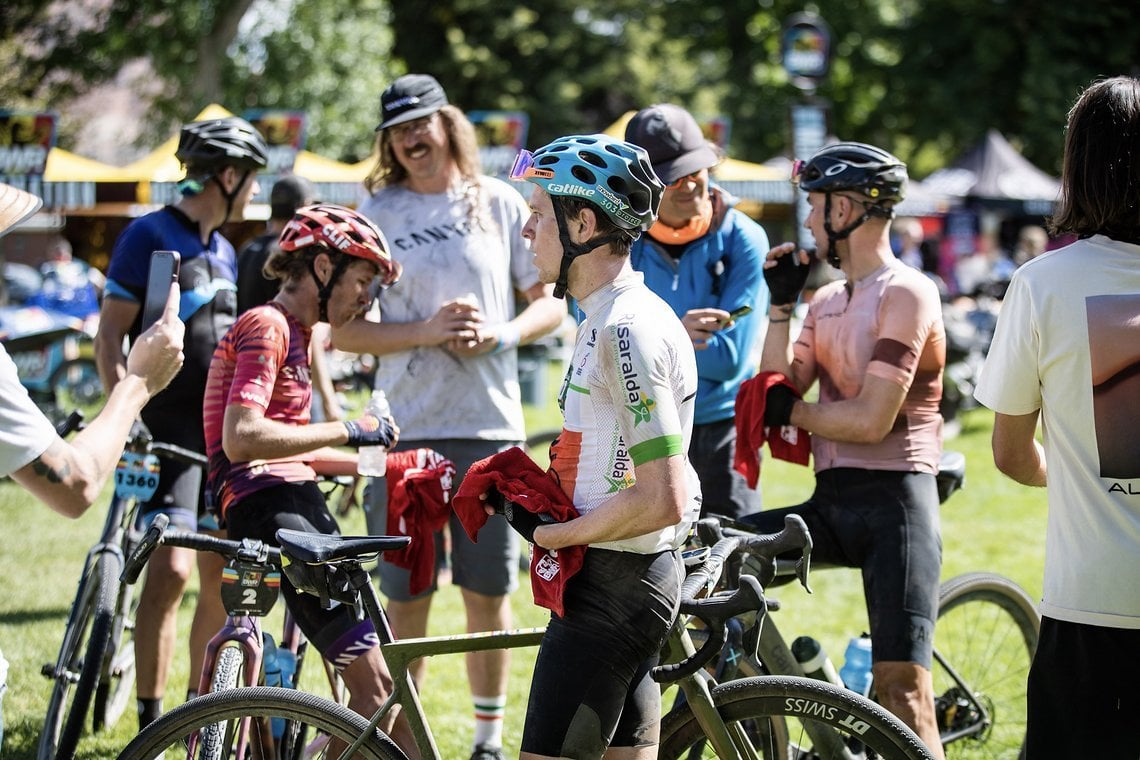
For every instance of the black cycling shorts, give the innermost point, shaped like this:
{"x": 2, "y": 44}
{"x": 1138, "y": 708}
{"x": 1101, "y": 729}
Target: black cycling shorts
{"x": 301, "y": 506}
{"x": 591, "y": 688}
{"x": 885, "y": 523}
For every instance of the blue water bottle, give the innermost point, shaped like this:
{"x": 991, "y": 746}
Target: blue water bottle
{"x": 271, "y": 666}
{"x": 856, "y": 670}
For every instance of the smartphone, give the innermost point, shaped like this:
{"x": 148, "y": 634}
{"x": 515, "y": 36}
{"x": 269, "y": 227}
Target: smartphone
{"x": 737, "y": 313}
{"x": 163, "y": 273}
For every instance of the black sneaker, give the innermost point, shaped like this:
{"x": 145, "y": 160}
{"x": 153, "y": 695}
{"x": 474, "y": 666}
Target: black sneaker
{"x": 487, "y": 752}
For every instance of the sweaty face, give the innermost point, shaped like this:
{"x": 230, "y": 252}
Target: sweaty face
{"x": 353, "y": 292}
{"x": 541, "y": 229}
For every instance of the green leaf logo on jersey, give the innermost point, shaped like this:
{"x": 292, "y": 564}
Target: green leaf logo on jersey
{"x": 619, "y": 484}
{"x": 642, "y": 411}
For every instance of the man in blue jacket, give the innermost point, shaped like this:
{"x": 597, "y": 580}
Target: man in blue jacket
{"x": 704, "y": 258}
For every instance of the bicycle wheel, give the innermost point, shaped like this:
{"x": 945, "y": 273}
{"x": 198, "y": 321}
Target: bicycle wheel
{"x": 984, "y": 642}
{"x": 117, "y": 678}
{"x": 758, "y": 711}
{"x": 76, "y": 385}
{"x": 77, "y": 670}
{"x": 179, "y": 728}
{"x": 227, "y": 675}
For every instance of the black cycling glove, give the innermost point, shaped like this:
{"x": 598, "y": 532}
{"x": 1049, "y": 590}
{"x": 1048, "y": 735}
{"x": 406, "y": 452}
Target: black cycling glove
{"x": 778, "y": 406}
{"x": 518, "y": 517}
{"x": 370, "y": 430}
{"x": 786, "y": 279}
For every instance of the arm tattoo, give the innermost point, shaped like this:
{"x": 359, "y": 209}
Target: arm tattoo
{"x": 52, "y": 473}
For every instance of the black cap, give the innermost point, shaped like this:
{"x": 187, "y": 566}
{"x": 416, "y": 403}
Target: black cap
{"x": 412, "y": 96}
{"x": 288, "y": 194}
{"x": 673, "y": 140}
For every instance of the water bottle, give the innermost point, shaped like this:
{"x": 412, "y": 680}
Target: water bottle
{"x": 270, "y": 663}
{"x": 373, "y": 460}
{"x": 814, "y": 661}
{"x": 287, "y": 662}
{"x": 856, "y": 671}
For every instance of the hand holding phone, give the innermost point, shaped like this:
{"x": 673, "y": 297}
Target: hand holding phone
{"x": 163, "y": 274}
{"x": 737, "y": 314}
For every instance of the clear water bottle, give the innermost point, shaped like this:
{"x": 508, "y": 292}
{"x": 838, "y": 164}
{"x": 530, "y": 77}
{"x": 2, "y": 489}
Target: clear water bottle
{"x": 856, "y": 671}
{"x": 373, "y": 460}
{"x": 814, "y": 661}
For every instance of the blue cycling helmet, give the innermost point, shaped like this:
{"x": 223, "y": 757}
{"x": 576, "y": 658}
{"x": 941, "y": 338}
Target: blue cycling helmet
{"x": 613, "y": 175}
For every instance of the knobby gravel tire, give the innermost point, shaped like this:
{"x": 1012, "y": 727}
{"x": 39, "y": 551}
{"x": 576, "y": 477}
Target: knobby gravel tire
{"x": 227, "y": 675}
{"x": 172, "y": 730}
{"x": 89, "y": 633}
{"x": 787, "y": 701}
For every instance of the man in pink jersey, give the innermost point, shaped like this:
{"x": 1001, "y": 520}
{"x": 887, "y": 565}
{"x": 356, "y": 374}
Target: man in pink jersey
{"x": 876, "y": 344}
{"x": 264, "y": 453}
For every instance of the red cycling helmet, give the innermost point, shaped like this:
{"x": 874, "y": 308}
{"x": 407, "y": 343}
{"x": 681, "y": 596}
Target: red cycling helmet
{"x": 342, "y": 230}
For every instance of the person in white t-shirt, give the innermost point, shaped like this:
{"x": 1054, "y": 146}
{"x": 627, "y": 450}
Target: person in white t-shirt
{"x": 1066, "y": 352}
{"x": 68, "y": 476}
{"x": 447, "y": 344}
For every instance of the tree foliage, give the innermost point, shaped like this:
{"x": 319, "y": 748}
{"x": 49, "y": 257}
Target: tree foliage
{"x": 924, "y": 78}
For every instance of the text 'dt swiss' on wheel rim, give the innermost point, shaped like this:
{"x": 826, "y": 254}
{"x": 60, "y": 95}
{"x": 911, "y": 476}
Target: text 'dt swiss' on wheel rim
{"x": 780, "y": 717}
{"x": 984, "y": 642}
{"x": 173, "y": 732}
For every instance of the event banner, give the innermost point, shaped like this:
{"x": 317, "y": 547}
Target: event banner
{"x": 501, "y": 135}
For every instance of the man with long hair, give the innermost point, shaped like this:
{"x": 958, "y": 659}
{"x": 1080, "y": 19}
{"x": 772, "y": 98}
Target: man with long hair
{"x": 447, "y": 345}
{"x": 1066, "y": 353}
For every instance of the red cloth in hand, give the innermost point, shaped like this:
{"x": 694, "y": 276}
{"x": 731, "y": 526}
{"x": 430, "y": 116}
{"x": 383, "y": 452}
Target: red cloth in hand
{"x": 419, "y": 488}
{"x": 515, "y": 475}
{"x": 791, "y": 444}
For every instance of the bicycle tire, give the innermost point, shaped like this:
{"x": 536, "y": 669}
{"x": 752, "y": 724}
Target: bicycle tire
{"x": 174, "y": 728}
{"x": 227, "y": 674}
{"x": 117, "y": 678}
{"x": 986, "y": 632}
{"x": 88, "y": 631}
{"x": 747, "y": 704}
{"x": 76, "y": 383}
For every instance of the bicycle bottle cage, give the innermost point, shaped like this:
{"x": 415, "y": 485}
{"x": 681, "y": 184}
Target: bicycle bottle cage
{"x": 249, "y": 585}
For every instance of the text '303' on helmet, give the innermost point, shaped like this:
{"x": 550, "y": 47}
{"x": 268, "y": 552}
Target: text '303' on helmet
{"x": 231, "y": 141}
{"x": 854, "y": 166}
{"x": 343, "y": 230}
{"x": 611, "y": 173}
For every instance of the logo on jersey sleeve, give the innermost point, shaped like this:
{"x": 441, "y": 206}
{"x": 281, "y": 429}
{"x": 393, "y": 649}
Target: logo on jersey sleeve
{"x": 621, "y": 472}
{"x": 642, "y": 410}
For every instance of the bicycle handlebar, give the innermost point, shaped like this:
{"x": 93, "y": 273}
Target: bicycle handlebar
{"x": 158, "y": 535}
{"x": 715, "y": 611}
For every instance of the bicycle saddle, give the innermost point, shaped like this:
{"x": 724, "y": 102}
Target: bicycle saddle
{"x": 951, "y": 474}
{"x": 320, "y": 549}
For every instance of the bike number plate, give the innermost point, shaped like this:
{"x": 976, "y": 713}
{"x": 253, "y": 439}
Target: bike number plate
{"x": 136, "y": 477}
{"x": 249, "y": 588}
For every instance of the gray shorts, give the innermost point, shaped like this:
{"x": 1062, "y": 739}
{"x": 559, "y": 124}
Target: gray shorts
{"x": 489, "y": 567}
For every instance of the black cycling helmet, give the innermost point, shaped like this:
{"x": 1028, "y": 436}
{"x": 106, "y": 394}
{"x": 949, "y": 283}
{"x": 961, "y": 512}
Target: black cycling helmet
{"x": 207, "y": 147}
{"x": 215, "y": 143}
{"x": 615, "y": 176}
{"x": 872, "y": 172}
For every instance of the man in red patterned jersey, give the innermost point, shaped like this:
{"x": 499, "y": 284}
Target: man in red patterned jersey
{"x": 265, "y": 456}
{"x": 877, "y": 346}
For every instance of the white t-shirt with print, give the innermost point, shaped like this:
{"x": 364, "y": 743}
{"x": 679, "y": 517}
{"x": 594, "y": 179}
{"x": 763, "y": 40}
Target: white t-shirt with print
{"x": 433, "y": 392}
{"x": 1068, "y": 343}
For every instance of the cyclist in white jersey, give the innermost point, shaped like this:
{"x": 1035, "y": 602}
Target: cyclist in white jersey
{"x": 622, "y": 456}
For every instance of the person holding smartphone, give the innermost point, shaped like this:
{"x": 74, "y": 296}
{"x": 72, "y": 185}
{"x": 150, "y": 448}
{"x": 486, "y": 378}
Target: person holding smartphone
{"x": 704, "y": 258}
{"x": 222, "y": 158}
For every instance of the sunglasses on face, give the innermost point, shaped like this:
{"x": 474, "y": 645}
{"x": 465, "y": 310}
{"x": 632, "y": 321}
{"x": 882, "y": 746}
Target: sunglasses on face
{"x": 694, "y": 177}
{"x": 415, "y": 127}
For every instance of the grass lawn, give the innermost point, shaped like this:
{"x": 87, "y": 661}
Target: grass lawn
{"x": 993, "y": 525}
